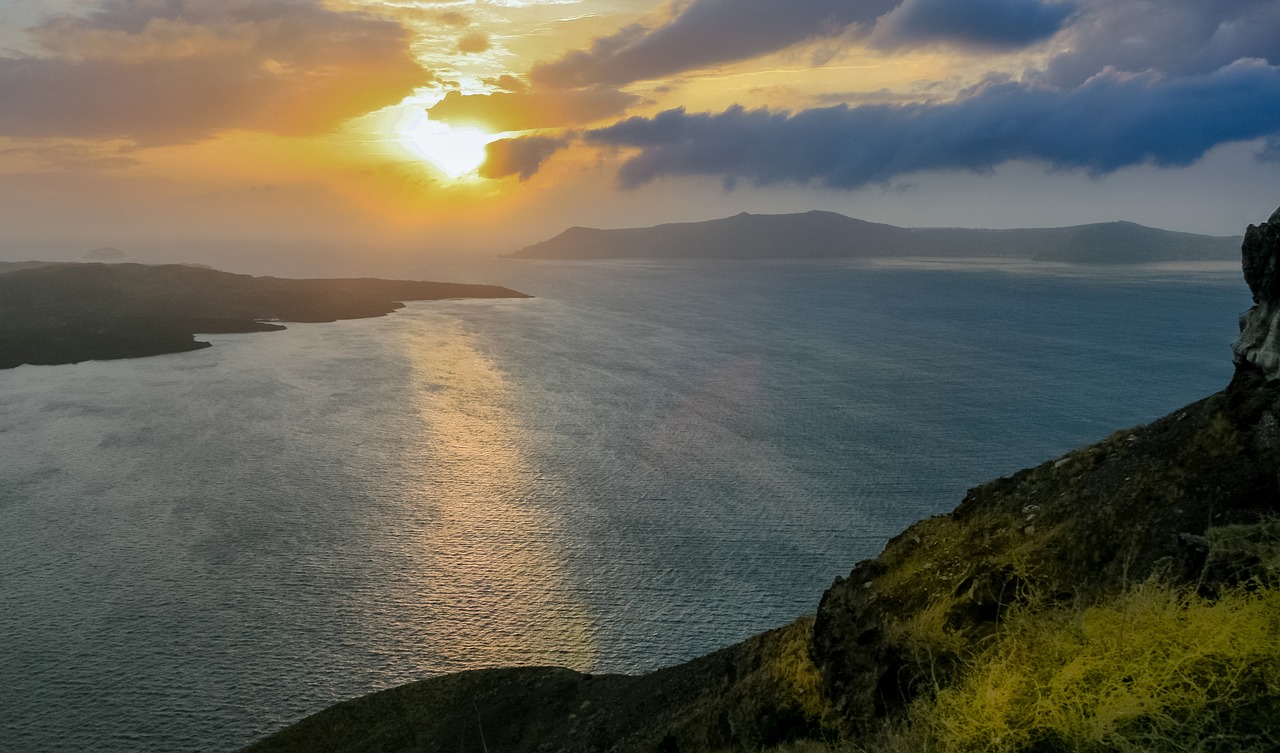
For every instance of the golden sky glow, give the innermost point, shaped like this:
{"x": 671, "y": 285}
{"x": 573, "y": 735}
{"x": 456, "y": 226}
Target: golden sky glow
{"x": 484, "y": 125}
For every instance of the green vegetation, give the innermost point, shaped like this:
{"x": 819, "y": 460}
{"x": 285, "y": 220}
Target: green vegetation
{"x": 1247, "y": 553}
{"x": 1159, "y": 667}
{"x": 1151, "y": 670}
{"x": 795, "y": 687}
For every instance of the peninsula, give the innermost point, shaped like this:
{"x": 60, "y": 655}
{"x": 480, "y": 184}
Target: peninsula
{"x": 828, "y": 235}
{"x": 66, "y": 313}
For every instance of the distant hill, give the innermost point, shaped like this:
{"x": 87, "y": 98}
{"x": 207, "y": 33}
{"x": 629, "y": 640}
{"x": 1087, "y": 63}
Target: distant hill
{"x": 14, "y": 266}
{"x": 828, "y": 235}
{"x": 65, "y": 313}
{"x": 106, "y": 253}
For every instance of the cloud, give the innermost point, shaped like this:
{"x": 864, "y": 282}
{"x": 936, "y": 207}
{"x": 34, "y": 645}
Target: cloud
{"x": 506, "y": 82}
{"x": 176, "y": 71}
{"x": 452, "y": 18}
{"x": 474, "y": 42}
{"x": 978, "y": 23}
{"x": 76, "y": 157}
{"x": 713, "y": 32}
{"x": 523, "y": 110}
{"x": 1112, "y": 121}
{"x": 522, "y": 157}
{"x": 1177, "y": 37}
{"x": 705, "y": 33}
{"x": 1270, "y": 151}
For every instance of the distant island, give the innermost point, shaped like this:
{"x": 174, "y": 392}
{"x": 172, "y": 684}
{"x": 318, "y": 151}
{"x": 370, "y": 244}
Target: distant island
{"x": 56, "y": 313}
{"x": 828, "y": 235}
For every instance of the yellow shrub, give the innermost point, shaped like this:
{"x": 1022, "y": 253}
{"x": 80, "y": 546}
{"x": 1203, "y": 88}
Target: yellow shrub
{"x": 1151, "y": 670}
{"x": 793, "y": 671}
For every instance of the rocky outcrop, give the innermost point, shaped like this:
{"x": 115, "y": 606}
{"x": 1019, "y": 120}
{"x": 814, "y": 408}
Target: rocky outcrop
{"x": 1070, "y": 532}
{"x": 1259, "y": 343}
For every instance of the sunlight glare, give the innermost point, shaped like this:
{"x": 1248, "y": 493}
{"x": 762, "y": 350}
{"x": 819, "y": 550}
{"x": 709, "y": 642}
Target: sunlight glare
{"x": 455, "y": 151}
{"x": 491, "y": 566}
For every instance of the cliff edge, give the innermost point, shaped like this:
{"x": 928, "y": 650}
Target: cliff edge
{"x": 1075, "y": 531}
{"x": 1259, "y": 343}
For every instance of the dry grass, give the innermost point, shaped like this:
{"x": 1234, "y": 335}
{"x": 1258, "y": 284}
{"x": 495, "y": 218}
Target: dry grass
{"x": 793, "y": 671}
{"x": 1152, "y": 670}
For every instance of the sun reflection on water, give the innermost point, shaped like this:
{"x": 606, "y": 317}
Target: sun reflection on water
{"x": 490, "y": 558}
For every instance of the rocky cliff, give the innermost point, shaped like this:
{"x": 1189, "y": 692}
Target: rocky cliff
{"x": 1259, "y": 343}
{"x": 1074, "y": 531}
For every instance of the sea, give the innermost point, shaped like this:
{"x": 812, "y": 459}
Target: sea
{"x": 645, "y": 462}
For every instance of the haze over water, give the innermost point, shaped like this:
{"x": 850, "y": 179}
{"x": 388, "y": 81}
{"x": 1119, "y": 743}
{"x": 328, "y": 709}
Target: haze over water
{"x": 643, "y": 463}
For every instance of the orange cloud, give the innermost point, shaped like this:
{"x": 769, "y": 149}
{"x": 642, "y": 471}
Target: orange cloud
{"x": 528, "y": 109}
{"x": 476, "y": 41}
{"x": 451, "y": 18}
{"x": 182, "y": 71}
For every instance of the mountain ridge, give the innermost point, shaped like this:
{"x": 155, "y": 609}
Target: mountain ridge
{"x": 821, "y": 234}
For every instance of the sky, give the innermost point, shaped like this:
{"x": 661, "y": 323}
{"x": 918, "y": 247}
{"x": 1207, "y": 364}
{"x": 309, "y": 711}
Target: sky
{"x": 351, "y": 132}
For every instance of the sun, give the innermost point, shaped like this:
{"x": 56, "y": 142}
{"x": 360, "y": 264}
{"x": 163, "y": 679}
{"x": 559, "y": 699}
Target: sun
{"x": 457, "y": 152}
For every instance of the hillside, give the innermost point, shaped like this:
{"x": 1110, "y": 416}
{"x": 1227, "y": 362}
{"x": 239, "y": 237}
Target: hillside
{"x": 827, "y": 235}
{"x": 65, "y": 313}
{"x": 14, "y": 266}
{"x": 1125, "y": 596}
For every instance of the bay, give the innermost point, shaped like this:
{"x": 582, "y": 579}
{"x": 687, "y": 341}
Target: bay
{"x": 643, "y": 463}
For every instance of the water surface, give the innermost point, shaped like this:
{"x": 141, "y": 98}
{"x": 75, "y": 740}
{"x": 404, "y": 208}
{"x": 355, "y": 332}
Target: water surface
{"x": 646, "y": 462}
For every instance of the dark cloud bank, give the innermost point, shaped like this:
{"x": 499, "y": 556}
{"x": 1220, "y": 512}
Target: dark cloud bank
{"x": 997, "y": 24}
{"x": 714, "y": 32}
{"x": 1136, "y": 82}
{"x": 1111, "y": 122}
{"x": 1174, "y": 37}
